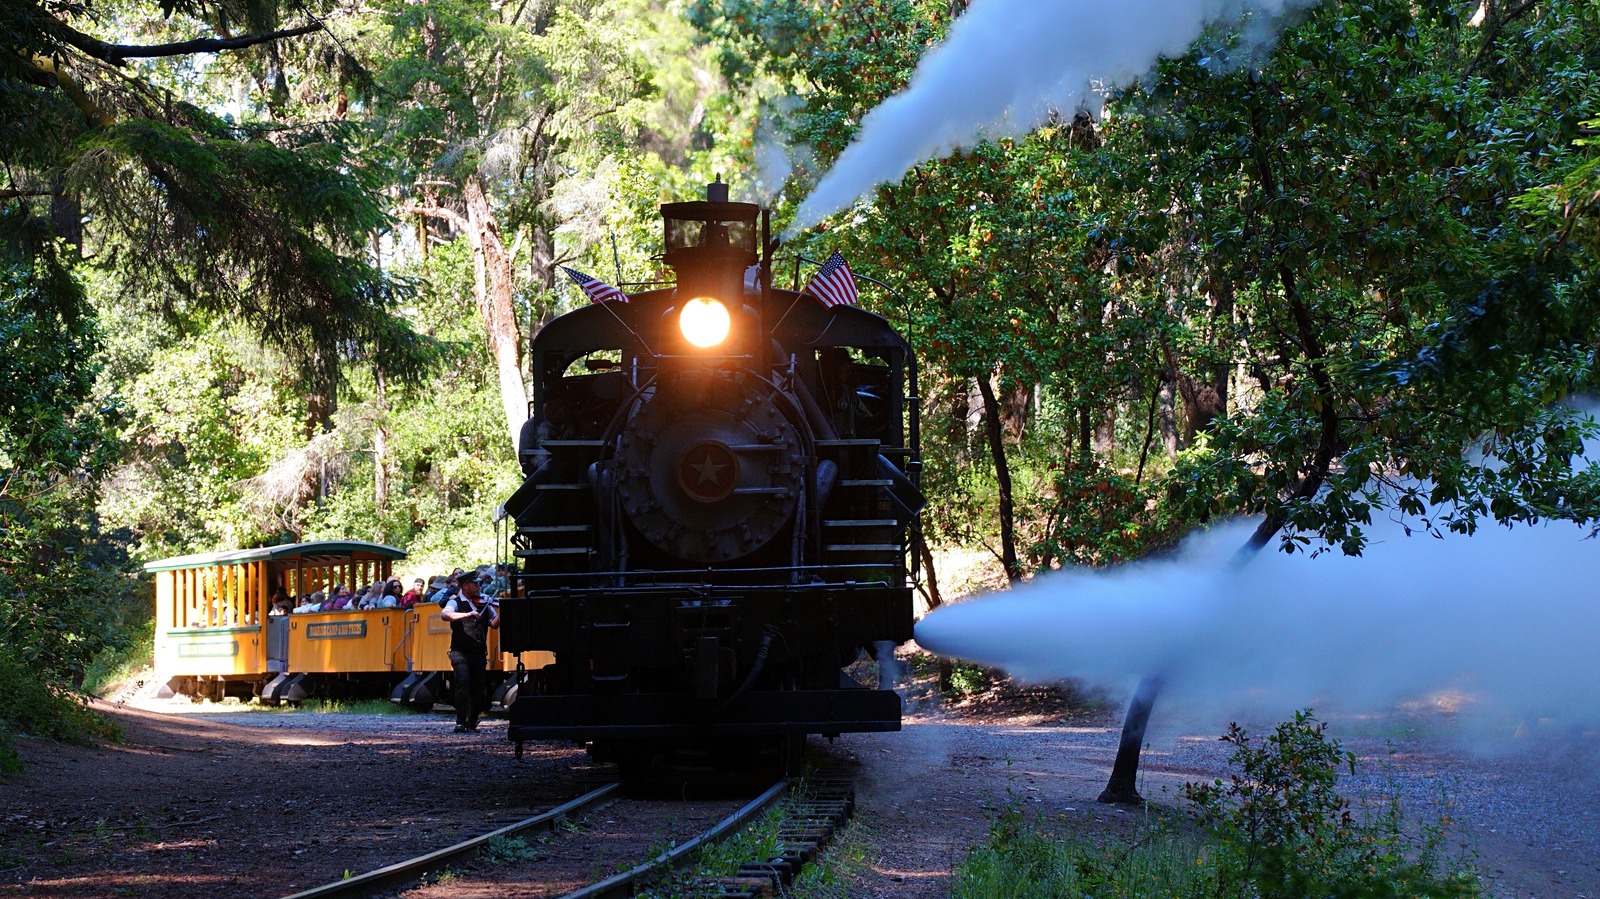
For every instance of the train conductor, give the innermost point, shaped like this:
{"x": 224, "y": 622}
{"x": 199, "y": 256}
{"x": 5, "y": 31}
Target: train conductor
{"x": 470, "y": 619}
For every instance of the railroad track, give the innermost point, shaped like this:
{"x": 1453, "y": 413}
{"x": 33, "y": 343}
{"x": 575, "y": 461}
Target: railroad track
{"x": 811, "y": 811}
{"x": 414, "y": 868}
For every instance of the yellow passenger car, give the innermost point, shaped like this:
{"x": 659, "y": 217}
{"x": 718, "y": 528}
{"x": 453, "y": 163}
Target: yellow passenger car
{"x": 215, "y": 636}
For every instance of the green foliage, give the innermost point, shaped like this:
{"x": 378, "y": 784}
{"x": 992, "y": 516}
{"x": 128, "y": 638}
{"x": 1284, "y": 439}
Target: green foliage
{"x": 50, "y": 363}
{"x": 115, "y": 666}
{"x": 757, "y": 842}
{"x": 202, "y": 415}
{"x": 1020, "y": 858}
{"x": 1277, "y": 829}
{"x": 267, "y": 218}
{"x": 1359, "y": 257}
{"x": 348, "y": 707}
{"x": 1284, "y": 831}
{"x": 1095, "y": 515}
{"x": 1355, "y": 190}
{"x": 61, "y": 591}
{"x": 967, "y": 679}
{"x": 34, "y": 704}
{"x": 509, "y": 850}
{"x": 831, "y": 874}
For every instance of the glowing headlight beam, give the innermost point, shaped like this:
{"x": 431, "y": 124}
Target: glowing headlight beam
{"x": 704, "y": 322}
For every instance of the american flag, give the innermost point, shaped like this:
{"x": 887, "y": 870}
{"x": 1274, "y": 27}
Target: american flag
{"x": 595, "y": 289}
{"x": 833, "y": 284}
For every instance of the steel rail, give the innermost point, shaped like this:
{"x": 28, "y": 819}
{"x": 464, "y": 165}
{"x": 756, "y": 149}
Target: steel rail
{"x": 622, "y": 885}
{"x": 363, "y": 884}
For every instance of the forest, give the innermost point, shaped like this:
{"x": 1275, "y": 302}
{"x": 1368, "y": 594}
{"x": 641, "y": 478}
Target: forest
{"x": 270, "y": 269}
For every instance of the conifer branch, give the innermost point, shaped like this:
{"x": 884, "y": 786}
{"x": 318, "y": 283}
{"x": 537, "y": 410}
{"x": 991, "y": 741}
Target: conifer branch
{"x": 117, "y": 54}
{"x": 46, "y": 72}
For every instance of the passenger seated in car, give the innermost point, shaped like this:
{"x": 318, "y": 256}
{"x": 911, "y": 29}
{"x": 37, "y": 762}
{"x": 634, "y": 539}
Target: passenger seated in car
{"x": 386, "y": 594}
{"x": 342, "y": 599}
{"x": 313, "y": 603}
{"x": 417, "y": 593}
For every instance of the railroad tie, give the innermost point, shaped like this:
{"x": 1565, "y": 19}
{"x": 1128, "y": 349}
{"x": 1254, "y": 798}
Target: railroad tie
{"x": 809, "y": 822}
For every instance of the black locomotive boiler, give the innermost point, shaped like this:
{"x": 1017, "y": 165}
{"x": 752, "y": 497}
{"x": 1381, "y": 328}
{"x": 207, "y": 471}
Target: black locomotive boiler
{"x": 716, "y": 517}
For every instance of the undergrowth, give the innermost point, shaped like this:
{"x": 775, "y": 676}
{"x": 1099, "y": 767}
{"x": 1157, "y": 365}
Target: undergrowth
{"x": 30, "y": 704}
{"x": 832, "y": 874}
{"x": 114, "y": 667}
{"x": 1275, "y": 829}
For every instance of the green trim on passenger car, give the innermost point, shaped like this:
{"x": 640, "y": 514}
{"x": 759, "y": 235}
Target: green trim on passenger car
{"x": 286, "y": 551}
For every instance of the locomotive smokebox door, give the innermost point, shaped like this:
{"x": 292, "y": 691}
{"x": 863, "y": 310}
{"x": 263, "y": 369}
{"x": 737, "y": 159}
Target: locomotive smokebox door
{"x": 710, "y": 473}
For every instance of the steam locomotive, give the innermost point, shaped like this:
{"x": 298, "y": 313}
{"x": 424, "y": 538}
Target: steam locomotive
{"x": 720, "y": 495}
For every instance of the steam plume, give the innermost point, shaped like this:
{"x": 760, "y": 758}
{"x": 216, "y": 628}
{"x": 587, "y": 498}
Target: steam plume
{"x": 1006, "y": 66}
{"x": 1508, "y": 617}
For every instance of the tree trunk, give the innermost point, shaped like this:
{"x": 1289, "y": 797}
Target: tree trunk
{"x": 1125, "y": 770}
{"x": 1105, "y": 433}
{"x": 66, "y": 215}
{"x": 930, "y": 588}
{"x": 1168, "y": 418}
{"x": 956, "y": 426}
{"x": 1002, "y": 476}
{"x": 380, "y": 453}
{"x": 1122, "y": 788}
{"x": 1149, "y": 431}
{"x": 492, "y": 288}
{"x": 1014, "y": 408}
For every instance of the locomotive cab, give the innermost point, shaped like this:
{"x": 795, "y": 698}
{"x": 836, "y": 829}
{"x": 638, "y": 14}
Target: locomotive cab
{"x": 717, "y": 510}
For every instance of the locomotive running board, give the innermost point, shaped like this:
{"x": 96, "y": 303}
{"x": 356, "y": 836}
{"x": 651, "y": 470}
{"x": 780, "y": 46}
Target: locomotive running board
{"x": 635, "y": 715}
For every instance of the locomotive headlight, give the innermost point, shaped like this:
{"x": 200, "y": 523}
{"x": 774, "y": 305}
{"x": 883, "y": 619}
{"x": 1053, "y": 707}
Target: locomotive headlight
{"x": 704, "y": 322}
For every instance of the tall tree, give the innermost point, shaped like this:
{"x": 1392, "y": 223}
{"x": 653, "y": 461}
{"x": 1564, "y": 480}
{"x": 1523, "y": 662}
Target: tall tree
{"x": 482, "y": 108}
{"x": 194, "y": 211}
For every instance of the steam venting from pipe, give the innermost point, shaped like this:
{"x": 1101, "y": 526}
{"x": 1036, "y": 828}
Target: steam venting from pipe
{"x": 1007, "y": 66}
{"x": 1506, "y": 621}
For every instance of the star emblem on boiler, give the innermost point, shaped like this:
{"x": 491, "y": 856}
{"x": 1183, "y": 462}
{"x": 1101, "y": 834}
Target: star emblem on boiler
{"x": 708, "y": 471}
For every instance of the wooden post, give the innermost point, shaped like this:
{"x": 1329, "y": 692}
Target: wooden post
{"x": 263, "y": 592}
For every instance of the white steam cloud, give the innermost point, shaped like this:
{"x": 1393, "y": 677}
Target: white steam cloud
{"x": 1007, "y": 66}
{"x": 775, "y": 159}
{"x": 1508, "y": 618}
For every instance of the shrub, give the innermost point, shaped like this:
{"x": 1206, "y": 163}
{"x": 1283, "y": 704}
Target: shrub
{"x": 32, "y": 705}
{"x": 1284, "y": 832}
{"x": 1276, "y": 829}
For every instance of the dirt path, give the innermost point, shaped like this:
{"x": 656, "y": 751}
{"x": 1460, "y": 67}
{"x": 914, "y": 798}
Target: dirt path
{"x": 1528, "y": 815}
{"x": 262, "y": 804}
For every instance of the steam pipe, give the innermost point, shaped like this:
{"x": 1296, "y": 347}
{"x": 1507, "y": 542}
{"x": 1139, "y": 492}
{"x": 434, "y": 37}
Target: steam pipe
{"x": 758, "y": 663}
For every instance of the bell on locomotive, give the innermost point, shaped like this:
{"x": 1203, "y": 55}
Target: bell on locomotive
{"x": 705, "y": 542}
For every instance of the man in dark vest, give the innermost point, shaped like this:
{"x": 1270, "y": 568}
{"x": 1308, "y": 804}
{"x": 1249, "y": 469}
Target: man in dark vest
{"x": 470, "y": 619}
